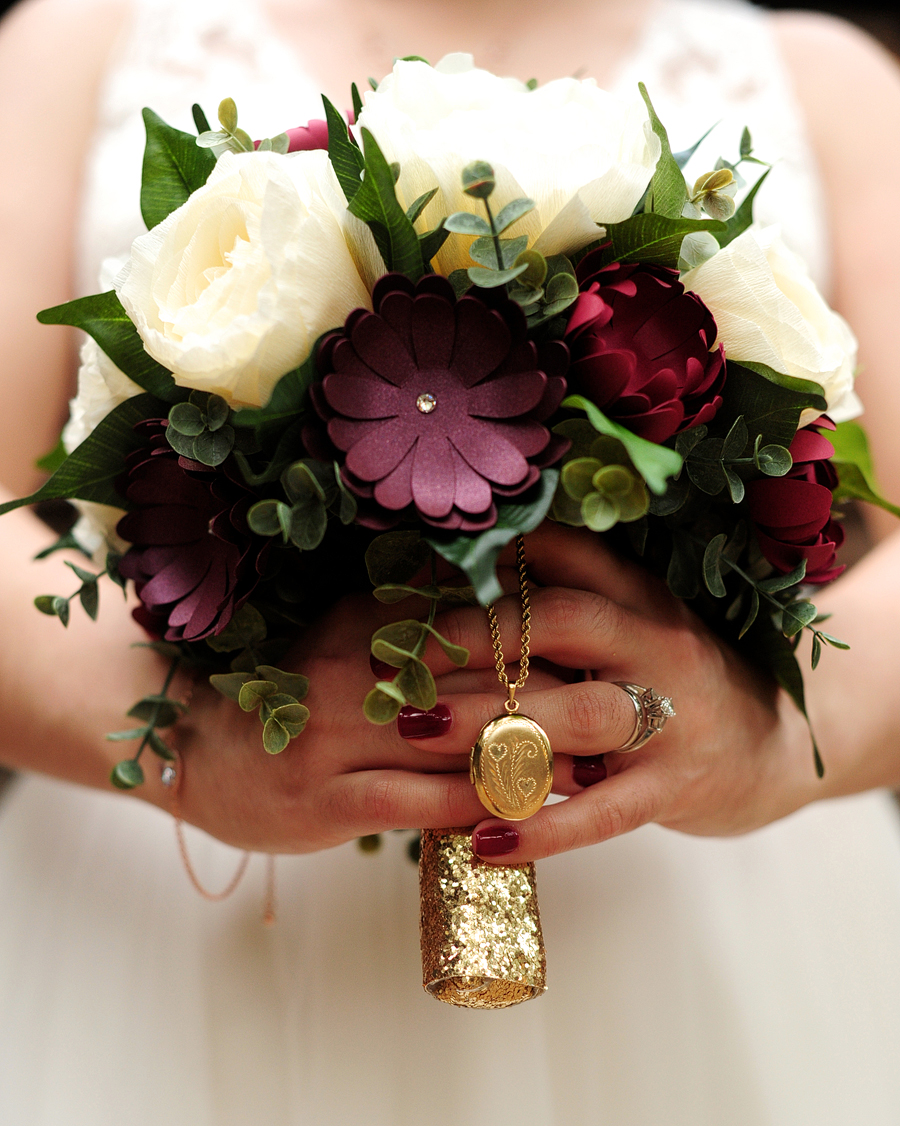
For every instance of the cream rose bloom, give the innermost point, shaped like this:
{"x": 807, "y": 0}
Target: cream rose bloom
{"x": 101, "y": 388}
{"x": 768, "y": 311}
{"x": 583, "y": 155}
{"x": 234, "y": 287}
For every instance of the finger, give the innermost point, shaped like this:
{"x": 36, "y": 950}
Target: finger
{"x": 574, "y": 557}
{"x": 588, "y": 718}
{"x": 376, "y": 801}
{"x": 624, "y": 802}
{"x": 573, "y": 628}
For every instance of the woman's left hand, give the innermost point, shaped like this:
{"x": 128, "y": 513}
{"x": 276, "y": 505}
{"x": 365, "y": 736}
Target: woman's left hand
{"x": 735, "y": 756}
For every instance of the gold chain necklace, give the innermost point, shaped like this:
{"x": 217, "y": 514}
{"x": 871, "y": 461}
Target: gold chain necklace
{"x": 511, "y": 765}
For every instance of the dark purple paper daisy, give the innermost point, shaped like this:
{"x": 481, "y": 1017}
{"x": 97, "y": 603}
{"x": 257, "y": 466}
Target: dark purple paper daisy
{"x": 641, "y": 348}
{"x": 193, "y": 559}
{"x": 437, "y": 405}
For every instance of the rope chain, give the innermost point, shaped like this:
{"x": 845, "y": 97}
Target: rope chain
{"x": 512, "y": 704}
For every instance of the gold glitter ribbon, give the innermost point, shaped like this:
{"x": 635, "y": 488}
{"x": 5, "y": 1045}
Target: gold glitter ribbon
{"x": 482, "y": 946}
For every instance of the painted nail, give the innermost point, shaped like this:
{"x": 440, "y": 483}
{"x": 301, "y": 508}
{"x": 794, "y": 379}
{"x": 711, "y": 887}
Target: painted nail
{"x": 413, "y": 723}
{"x": 588, "y": 770}
{"x": 496, "y": 840}
{"x": 382, "y": 669}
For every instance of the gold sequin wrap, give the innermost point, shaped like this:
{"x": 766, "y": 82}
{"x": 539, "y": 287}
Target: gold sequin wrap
{"x": 482, "y": 946}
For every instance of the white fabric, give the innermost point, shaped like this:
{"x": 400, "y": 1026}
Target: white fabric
{"x": 693, "y": 982}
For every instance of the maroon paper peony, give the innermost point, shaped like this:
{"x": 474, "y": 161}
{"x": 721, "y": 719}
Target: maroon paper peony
{"x": 640, "y": 348}
{"x": 437, "y": 405}
{"x": 793, "y": 513}
{"x": 193, "y": 559}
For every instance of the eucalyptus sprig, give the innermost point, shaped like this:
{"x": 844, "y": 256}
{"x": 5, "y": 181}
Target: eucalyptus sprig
{"x": 313, "y": 488}
{"x": 393, "y": 560}
{"x": 229, "y": 138}
{"x": 88, "y": 594}
{"x": 157, "y": 711}
{"x": 199, "y": 428}
{"x": 716, "y": 463}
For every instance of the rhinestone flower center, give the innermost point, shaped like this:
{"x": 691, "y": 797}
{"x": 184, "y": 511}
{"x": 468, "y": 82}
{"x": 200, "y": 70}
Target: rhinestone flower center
{"x": 426, "y": 403}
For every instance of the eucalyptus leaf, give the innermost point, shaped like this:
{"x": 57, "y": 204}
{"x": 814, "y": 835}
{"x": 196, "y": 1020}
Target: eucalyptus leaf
{"x": 389, "y": 654}
{"x": 751, "y": 614}
{"x": 246, "y": 629}
{"x": 816, "y": 654}
{"x": 275, "y": 737}
{"x": 262, "y": 518}
{"x": 396, "y": 557}
{"x": 230, "y": 683}
{"x": 712, "y": 566}
{"x": 736, "y": 440}
{"x": 417, "y": 684}
{"x": 467, "y": 223}
{"x": 212, "y": 447}
{"x": 254, "y": 692}
{"x": 159, "y": 746}
{"x": 784, "y": 582}
{"x": 127, "y": 775}
{"x": 187, "y": 419}
{"x": 796, "y": 616}
{"x": 61, "y": 609}
{"x": 404, "y": 635}
{"x": 292, "y": 683}
{"x": 46, "y": 603}
{"x": 736, "y": 487}
{"x": 458, "y": 654}
{"x": 492, "y": 279}
{"x": 512, "y": 213}
{"x": 383, "y": 703}
{"x": 293, "y": 717}
{"x": 89, "y": 596}
{"x": 774, "y": 461}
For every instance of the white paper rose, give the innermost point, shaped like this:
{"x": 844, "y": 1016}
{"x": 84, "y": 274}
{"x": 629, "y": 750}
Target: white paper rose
{"x": 233, "y": 288}
{"x": 583, "y": 155}
{"x": 768, "y": 311}
{"x": 101, "y": 388}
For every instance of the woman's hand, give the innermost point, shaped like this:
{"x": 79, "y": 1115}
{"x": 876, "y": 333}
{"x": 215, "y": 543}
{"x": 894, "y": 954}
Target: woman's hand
{"x": 342, "y": 777}
{"x": 736, "y": 755}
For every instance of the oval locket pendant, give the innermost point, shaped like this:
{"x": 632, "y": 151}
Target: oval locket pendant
{"x": 512, "y": 767}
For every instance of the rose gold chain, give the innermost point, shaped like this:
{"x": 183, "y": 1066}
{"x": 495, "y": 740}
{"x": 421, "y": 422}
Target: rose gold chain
{"x": 512, "y": 704}
{"x": 172, "y": 775}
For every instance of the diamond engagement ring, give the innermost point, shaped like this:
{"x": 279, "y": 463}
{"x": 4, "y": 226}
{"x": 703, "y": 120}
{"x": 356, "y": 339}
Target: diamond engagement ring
{"x": 651, "y": 712}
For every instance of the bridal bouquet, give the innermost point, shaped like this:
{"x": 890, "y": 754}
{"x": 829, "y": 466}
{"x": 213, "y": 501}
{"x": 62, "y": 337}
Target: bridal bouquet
{"x": 364, "y": 349}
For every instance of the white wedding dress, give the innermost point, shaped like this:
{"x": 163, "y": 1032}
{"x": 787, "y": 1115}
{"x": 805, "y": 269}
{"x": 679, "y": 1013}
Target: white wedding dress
{"x": 692, "y": 982}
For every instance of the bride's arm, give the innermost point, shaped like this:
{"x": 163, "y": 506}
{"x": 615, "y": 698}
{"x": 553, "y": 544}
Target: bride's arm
{"x": 738, "y": 755}
{"x": 60, "y": 691}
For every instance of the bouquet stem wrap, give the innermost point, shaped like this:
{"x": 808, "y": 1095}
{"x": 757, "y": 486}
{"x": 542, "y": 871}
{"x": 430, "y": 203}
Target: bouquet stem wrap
{"x": 482, "y": 946}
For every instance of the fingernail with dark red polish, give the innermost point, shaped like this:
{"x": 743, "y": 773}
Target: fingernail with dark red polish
{"x": 382, "y": 669}
{"x": 497, "y": 840}
{"x": 589, "y": 770}
{"x": 413, "y": 723}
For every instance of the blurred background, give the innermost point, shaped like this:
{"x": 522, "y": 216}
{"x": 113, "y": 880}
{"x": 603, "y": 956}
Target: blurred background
{"x": 879, "y": 20}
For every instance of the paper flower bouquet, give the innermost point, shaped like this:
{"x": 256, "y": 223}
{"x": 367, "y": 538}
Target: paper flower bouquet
{"x": 414, "y": 333}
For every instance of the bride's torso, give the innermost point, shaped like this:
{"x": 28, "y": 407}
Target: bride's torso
{"x": 703, "y": 61}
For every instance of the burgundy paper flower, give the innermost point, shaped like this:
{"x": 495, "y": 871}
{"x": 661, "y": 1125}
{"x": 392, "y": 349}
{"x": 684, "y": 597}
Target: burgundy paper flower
{"x": 193, "y": 559}
{"x": 793, "y": 513}
{"x": 438, "y": 405}
{"x": 640, "y": 348}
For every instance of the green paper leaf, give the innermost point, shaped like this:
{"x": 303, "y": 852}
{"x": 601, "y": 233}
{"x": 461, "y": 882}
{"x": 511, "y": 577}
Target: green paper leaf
{"x": 126, "y": 775}
{"x": 344, "y": 154}
{"x": 91, "y": 470}
{"x": 376, "y": 204}
{"x": 856, "y": 473}
{"x": 174, "y": 166}
{"x": 656, "y": 464}
{"x": 770, "y": 403}
{"x": 668, "y": 191}
{"x": 653, "y": 238}
{"x": 53, "y": 459}
{"x": 356, "y": 101}
{"x": 418, "y": 206}
{"x": 477, "y": 554}
{"x": 102, "y": 316}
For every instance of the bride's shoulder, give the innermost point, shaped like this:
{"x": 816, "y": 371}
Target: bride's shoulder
{"x": 833, "y": 62}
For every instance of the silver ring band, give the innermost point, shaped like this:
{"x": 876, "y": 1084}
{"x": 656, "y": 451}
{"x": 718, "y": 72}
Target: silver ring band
{"x": 650, "y": 714}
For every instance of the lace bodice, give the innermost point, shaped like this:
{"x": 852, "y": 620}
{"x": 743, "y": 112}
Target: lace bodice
{"x": 703, "y": 61}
